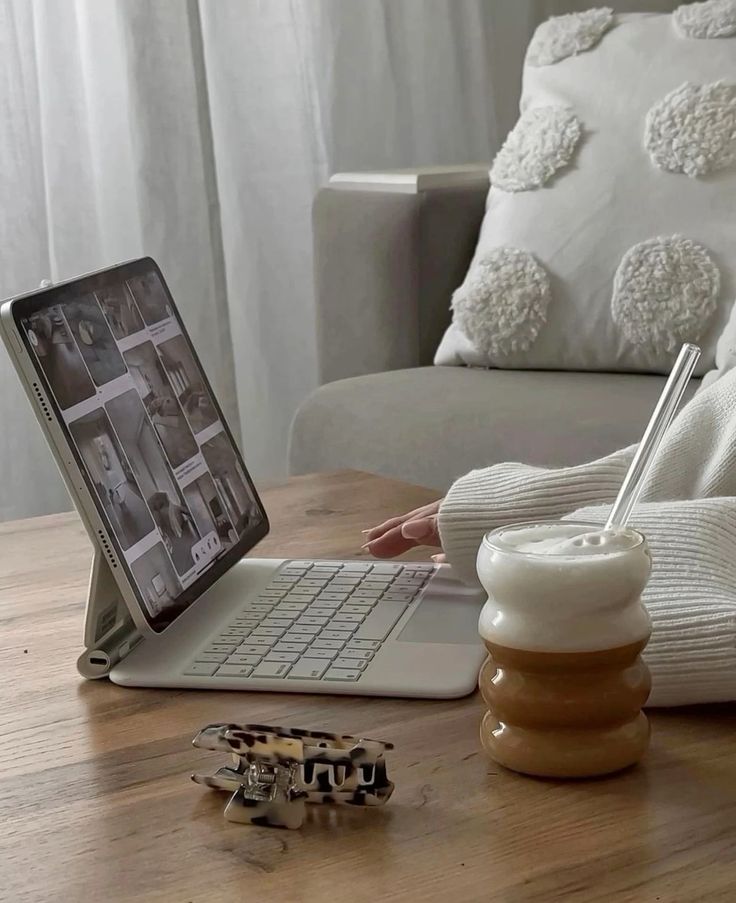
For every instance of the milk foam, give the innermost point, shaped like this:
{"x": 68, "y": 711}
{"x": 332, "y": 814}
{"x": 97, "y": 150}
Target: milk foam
{"x": 563, "y": 587}
{"x": 561, "y": 539}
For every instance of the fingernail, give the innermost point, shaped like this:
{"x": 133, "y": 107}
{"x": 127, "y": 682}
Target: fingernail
{"x": 436, "y": 558}
{"x": 365, "y": 531}
{"x": 365, "y": 545}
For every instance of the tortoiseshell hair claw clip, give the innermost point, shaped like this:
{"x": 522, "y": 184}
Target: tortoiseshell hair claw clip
{"x": 275, "y": 771}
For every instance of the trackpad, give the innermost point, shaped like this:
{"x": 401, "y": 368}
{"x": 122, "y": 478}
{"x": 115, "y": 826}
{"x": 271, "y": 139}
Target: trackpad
{"x": 444, "y": 620}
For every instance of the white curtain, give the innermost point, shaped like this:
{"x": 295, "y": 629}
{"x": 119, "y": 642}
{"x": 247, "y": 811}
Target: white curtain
{"x": 198, "y": 133}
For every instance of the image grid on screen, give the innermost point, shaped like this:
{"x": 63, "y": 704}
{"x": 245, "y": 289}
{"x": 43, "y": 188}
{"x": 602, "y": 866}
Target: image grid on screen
{"x": 134, "y": 400}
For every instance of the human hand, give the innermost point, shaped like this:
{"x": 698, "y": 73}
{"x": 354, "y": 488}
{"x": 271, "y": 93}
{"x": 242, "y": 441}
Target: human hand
{"x": 398, "y": 534}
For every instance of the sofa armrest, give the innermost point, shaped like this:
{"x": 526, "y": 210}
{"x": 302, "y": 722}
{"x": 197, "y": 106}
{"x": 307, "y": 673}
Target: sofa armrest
{"x": 389, "y": 250}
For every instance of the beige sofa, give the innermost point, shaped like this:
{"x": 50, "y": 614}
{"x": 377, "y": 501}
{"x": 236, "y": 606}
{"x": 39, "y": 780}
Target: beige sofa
{"x": 387, "y": 258}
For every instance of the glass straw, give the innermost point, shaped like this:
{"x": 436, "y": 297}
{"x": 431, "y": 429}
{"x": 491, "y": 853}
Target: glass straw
{"x": 665, "y": 410}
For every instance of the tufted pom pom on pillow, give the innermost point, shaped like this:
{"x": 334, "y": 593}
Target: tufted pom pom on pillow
{"x": 563, "y": 36}
{"x": 664, "y": 292}
{"x": 504, "y": 303}
{"x": 711, "y": 19}
{"x": 693, "y": 129}
{"x": 541, "y": 142}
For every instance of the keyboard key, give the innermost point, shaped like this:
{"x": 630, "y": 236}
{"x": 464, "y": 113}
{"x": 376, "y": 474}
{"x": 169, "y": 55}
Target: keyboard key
{"x": 283, "y": 622}
{"x": 320, "y": 643}
{"x": 211, "y": 657}
{"x": 310, "y": 621}
{"x": 323, "y": 570}
{"x": 332, "y": 597}
{"x": 342, "y": 674}
{"x": 327, "y": 654}
{"x": 271, "y": 669}
{"x": 221, "y": 647}
{"x": 202, "y": 669}
{"x": 331, "y": 606}
{"x": 321, "y": 612}
{"x": 281, "y": 612}
{"x": 408, "y": 581}
{"x": 290, "y": 647}
{"x": 259, "y": 641}
{"x": 302, "y": 598}
{"x": 269, "y": 631}
{"x": 306, "y": 565}
{"x": 335, "y": 635}
{"x": 351, "y": 664}
{"x": 364, "y": 644}
{"x": 238, "y": 630}
{"x": 245, "y": 659}
{"x": 309, "y": 669}
{"x": 335, "y": 607}
{"x": 342, "y": 627}
{"x": 385, "y": 567}
{"x": 296, "y": 607}
{"x": 294, "y": 637}
{"x": 274, "y": 593}
{"x": 229, "y": 639}
{"x": 283, "y": 580}
{"x": 348, "y": 617}
{"x": 381, "y": 580}
{"x": 398, "y": 597}
{"x": 235, "y": 671}
{"x": 293, "y": 571}
{"x": 343, "y": 584}
{"x": 356, "y": 608}
{"x": 380, "y": 622}
{"x": 289, "y": 657}
{"x": 247, "y": 622}
{"x": 363, "y": 655}
{"x": 306, "y": 629}
{"x": 366, "y": 594}
{"x": 253, "y": 649}
{"x": 361, "y": 567}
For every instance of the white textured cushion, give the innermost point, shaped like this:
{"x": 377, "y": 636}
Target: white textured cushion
{"x": 610, "y": 231}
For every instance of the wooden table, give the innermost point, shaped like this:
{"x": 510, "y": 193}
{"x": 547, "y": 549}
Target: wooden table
{"x": 96, "y": 802}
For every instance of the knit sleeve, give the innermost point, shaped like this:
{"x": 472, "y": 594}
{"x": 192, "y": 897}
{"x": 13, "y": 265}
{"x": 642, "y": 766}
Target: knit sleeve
{"x": 691, "y": 597}
{"x": 513, "y": 493}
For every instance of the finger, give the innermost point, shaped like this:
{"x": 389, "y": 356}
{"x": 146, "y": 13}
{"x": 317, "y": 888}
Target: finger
{"x": 380, "y": 529}
{"x": 441, "y": 558}
{"x": 423, "y": 529}
{"x": 391, "y": 543}
{"x": 392, "y": 522}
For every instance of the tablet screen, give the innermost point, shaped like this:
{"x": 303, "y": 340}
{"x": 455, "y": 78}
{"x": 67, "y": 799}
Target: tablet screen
{"x": 147, "y": 432}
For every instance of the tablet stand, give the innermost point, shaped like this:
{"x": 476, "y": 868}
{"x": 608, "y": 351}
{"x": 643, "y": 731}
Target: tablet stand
{"x": 109, "y": 631}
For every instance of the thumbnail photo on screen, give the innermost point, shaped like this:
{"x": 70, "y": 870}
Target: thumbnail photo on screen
{"x": 156, "y": 580}
{"x": 208, "y": 511}
{"x": 113, "y": 479}
{"x": 150, "y": 297}
{"x": 120, "y": 310}
{"x": 231, "y": 484}
{"x": 161, "y": 403}
{"x": 59, "y": 357}
{"x": 158, "y": 486}
{"x": 94, "y": 339}
{"x": 186, "y": 380}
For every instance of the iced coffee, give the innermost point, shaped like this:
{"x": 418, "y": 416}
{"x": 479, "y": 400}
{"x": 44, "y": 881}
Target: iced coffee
{"x": 564, "y": 683}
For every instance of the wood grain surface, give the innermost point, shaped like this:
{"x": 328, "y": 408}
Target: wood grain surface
{"x": 96, "y": 802}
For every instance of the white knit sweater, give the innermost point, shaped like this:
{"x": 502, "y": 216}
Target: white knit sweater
{"x": 687, "y": 512}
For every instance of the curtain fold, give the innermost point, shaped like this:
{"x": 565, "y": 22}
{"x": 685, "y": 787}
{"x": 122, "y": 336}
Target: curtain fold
{"x": 197, "y": 131}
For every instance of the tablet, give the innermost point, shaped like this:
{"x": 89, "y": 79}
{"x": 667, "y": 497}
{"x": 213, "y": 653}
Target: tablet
{"x": 139, "y": 428}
